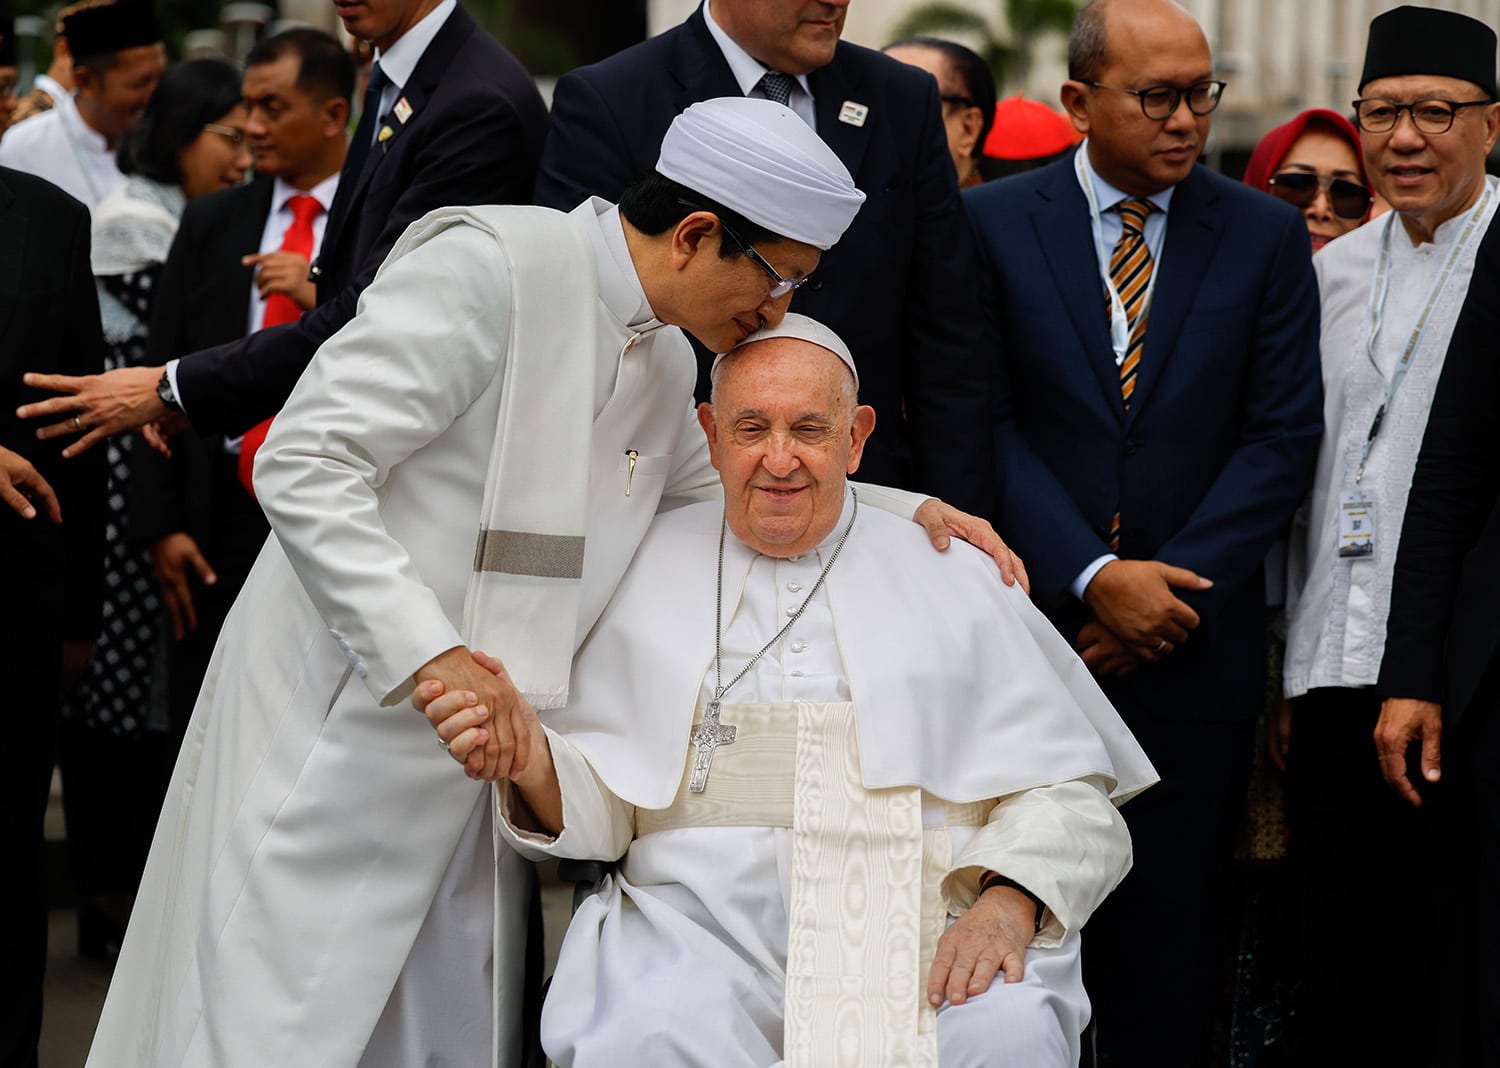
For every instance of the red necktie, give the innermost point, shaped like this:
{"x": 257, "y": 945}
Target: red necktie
{"x": 281, "y": 308}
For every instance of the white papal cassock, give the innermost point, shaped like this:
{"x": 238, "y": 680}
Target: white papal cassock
{"x": 790, "y": 912}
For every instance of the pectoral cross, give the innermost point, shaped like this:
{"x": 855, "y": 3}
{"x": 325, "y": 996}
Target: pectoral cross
{"x": 708, "y": 736}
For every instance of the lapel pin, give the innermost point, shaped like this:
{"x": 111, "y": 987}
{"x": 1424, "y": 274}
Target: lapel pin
{"x": 385, "y": 134}
{"x": 854, "y": 113}
{"x": 402, "y": 111}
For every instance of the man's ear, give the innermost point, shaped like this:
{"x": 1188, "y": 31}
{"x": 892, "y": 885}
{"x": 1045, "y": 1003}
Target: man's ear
{"x": 689, "y": 235}
{"x": 1075, "y": 101}
{"x": 859, "y": 433}
{"x": 85, "y": 80}
{"x": 335, "y": 116}
{"x": 710, "y": 431}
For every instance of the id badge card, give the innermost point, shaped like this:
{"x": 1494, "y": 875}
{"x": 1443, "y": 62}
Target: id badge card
{"x": 1356, "y": 524}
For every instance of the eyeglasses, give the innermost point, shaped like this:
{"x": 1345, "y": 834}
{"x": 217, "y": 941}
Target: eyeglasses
{"x": 234, "y": 135}
{"x": 1160, "y": 102}
{"x": 780, "y": 286}
{"x": 1349, "y": 200}
{"x": 1378, "y": 115}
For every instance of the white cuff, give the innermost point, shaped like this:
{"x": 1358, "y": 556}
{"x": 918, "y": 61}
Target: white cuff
{"x": 1086, "y": 576}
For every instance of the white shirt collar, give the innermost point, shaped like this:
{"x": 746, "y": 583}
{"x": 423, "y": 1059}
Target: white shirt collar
{"x": 747, "y": 70}
{"x": 88, "y": 138}
{"x": 1108, "y": 196}
{"x": 398, "y": 62}
{"x": 283, "y": 191}
{"x": 621, "y": 291}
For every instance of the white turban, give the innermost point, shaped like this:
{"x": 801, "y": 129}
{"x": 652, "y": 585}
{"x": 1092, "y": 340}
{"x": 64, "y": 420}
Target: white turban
{"x": 759, "y": 159}
{"x": 803, "y": 329}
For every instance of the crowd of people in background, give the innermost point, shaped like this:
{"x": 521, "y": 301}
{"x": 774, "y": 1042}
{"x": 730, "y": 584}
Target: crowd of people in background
{"x": 1235, "y": 432}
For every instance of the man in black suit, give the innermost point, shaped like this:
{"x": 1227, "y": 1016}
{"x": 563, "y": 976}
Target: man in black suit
{"x": 226, "y": 276}
{"x": 51, "y": 571}
{"x": 1439, "y": 674}
{"x": 897, "y": 287}
{"x": 452, "y": 118}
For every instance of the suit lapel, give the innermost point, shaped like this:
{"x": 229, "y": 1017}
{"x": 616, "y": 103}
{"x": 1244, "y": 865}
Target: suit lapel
{"x": 1194, "y": 228}
{"x": 241, "y": 237}
{"x": 699, "y": 67}
{"x": 831, "y": 87}
{"x": 12, "y": 254}
{"x": 1063, "y": 231}
{"x": 428, "y": 72}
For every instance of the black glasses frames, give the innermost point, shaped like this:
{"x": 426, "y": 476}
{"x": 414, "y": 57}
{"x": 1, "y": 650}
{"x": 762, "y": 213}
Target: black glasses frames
{"x": 1376, "y": 114}
{"x": 1159, "y": 102}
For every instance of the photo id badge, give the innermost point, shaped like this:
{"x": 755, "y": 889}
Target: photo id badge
{"x": 1356, "y": 524}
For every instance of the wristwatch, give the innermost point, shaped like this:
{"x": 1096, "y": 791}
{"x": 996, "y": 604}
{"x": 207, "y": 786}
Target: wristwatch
{"x": 993, "y": 878}
{"x": 164, "y": 391}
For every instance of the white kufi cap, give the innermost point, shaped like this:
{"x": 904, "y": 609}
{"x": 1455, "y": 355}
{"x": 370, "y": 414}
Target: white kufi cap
{"x": 803, "y": 329}
{"x": 759, "y": 159}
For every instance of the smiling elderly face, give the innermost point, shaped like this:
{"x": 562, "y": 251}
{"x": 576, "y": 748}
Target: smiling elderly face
{"x": 784, "y": 430}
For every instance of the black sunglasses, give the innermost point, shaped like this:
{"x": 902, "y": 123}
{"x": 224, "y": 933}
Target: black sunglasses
{"x": 1349, "y": 200}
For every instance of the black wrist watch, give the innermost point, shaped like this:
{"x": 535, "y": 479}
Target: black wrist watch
{"x": 164, "y": 391}
{"x": 993, "y": 878}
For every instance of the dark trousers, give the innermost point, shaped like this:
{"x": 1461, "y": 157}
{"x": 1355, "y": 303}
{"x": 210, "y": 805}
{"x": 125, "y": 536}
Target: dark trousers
{"x": 1152, "y": 953}
{"x": 29, "y": 710}
{"x": 1466, "y": 927}
{"x": 1362, "y": 877}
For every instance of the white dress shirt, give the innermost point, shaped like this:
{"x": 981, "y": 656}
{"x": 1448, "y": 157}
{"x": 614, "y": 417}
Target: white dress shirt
{"x": 748, "y": 71}
{"x": 59, "y": 146}
{"x": 278, "y": 219}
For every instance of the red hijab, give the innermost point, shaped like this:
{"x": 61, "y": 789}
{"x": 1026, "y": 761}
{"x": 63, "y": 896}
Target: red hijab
{"x": 1273, "y": 147}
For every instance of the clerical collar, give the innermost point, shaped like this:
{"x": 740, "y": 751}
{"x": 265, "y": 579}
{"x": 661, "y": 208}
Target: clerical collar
{"x": 398, "y": 61}
{"x": 747, "y": 70}
{"x": 621, "y": 290}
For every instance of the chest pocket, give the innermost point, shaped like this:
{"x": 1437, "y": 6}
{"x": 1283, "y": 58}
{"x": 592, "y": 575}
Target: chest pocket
{"x": 643, "y": 474}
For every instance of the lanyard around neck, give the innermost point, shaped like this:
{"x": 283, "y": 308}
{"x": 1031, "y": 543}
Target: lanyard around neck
{"x": 1119, "y": 322}
{"x": 1379, "y": 290}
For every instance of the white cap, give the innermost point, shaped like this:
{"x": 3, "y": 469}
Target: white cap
{"x": 759, "y": 159}
{"x": 803, "y": 329}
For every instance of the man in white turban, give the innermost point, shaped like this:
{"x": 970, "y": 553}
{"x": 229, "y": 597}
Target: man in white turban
{"x": 813, "y": 740}
{"x": 322, "y": 889}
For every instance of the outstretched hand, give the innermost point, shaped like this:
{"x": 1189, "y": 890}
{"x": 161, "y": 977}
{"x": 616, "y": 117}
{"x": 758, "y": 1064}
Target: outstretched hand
{"x": 98, "y": 406}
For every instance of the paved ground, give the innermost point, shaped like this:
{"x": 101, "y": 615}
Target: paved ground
{"x": 75, "y": 987}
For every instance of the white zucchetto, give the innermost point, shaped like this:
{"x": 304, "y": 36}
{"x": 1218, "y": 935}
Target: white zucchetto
{"x": 802, "y": 328}
{"x": 759, "y": 159}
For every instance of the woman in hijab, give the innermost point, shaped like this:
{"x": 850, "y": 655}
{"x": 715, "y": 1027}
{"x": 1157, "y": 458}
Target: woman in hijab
{"x": 1314, "y": 163}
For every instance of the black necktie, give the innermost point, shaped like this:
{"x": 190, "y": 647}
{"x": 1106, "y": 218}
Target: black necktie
{"x": 778, "y": 87}
{"x": 364, "y": 133}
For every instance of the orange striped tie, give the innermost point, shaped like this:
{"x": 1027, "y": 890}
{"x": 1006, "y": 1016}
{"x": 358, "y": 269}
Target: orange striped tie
{"x": 1130, "y": 270}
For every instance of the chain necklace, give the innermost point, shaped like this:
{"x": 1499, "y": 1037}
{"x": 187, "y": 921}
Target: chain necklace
{"x": 710, "y": 734}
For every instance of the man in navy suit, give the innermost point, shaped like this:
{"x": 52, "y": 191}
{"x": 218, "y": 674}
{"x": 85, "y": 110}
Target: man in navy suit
{"x": 453, "y": 119}
{"x": 898, "y": 287}
{"x": 1159, "y": 410}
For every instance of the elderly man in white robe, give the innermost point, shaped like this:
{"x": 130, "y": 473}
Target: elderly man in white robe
{"x": 813, "y": 740}
{"x": 322, "y": 889}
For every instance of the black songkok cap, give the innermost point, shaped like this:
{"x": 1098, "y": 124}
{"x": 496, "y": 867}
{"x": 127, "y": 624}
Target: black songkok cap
{"x": 1424, "y": 40}
{"x": 95, "y": 29}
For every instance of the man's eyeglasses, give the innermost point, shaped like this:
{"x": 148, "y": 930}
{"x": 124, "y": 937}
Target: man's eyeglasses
{"x": 780, "y": 286}
{"x": 234, "y": 134}
{"x": 1160, "y": 102}
{"x": 1377, "y": 115}
{"x": 1349, "y": 200}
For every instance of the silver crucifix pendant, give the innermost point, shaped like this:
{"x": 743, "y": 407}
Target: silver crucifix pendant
{"x": 708, "y": 736}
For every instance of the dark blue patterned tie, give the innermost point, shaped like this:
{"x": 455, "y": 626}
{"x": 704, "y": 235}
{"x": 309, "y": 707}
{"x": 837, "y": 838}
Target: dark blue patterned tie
{"x": 778, "y": 87}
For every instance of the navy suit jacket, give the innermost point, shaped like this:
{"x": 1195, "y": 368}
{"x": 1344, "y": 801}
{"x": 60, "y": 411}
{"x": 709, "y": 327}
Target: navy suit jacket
{"x": 473, "y": 137}
{"x": 1219, "y": 445}
{"x": 899, "y": 287}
